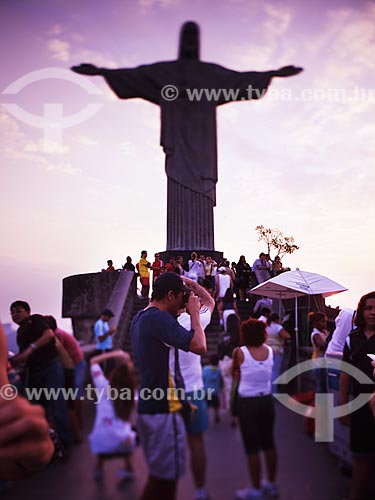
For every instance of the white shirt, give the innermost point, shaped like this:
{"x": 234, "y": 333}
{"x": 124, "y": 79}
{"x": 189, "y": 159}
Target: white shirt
{"x": 109, "y": 432}
{"x": 274, "y": 340}
{"x": 190, "y": 363}
{"x": 255, "y": 375}
{"x": 344, "y": 325}
{"x": 224, "y": 284}
{"x": 261, "y": 303}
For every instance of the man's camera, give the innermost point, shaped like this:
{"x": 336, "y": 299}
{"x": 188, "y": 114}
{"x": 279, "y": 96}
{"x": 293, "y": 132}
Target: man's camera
{"x": 186, "y": 296}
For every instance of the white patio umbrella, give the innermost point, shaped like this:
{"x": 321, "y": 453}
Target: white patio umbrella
{"x": 294, "y": 284}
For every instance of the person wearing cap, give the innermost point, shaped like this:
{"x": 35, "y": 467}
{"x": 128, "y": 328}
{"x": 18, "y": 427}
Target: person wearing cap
{"x": 103, "y": 332}
{"x": 154, "y": 332}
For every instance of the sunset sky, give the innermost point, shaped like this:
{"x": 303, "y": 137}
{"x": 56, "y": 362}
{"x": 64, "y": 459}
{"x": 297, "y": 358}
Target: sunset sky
{"x": 98, "y": 192}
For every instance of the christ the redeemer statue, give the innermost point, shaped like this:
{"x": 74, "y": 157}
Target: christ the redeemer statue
{"x": 188, "y": 128}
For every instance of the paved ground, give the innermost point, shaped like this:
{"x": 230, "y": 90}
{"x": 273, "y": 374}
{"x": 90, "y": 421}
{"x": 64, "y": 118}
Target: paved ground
{"x": 307, "y": 470}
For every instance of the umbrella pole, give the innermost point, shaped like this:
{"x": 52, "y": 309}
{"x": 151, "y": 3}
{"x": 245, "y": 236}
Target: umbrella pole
{"x": 297, "y": 341}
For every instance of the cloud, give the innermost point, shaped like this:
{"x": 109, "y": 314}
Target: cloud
{"x": 60, "y": 49}
{"x": 260, "y": 54}
{"x": 146, "y": 5}
{"x": 45, "y": 146}
{"x": 17, "y": 146}
{"x": 128, "y": 149}
{"x": 345, "y": 47}
{"x": 78, "y": 38}
{"x": 9, "y": 128}
{"x": 55, "y": 30}
{"x": 64, "y": 168}
{"x": 13, "y": 152}
{"x": 86, "y": 141}
{"x": 278, "y": 20}
{"x": 95, "y": 57}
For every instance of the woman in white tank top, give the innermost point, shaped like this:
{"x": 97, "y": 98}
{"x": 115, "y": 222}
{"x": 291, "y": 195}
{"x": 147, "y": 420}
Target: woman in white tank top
{"x": 253, "y": 362}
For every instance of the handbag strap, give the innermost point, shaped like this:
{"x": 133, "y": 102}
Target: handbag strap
{"x": 236, "y": 365}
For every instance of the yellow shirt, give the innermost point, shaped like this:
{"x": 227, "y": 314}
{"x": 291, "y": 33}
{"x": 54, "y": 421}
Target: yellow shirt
{"x": 144, "y": 265}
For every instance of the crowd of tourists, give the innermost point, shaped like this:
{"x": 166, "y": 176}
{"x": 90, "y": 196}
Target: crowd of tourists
{"x": 172, "y": 395}
{"x": 204, "y": 269}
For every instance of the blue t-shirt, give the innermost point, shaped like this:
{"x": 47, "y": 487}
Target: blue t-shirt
{"x": 212, "y": 378}
{"x": 101, "y": 327}
{"x": 153, "y": 333}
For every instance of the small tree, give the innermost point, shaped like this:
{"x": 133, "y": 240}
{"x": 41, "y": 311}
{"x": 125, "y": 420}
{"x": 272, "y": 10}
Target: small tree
{"x": 274, "y": 238}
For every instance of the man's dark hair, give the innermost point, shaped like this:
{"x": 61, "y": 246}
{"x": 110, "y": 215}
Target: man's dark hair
{"x": 20, "y": 303}
{"x": 228, "y": 296}
{"x": 110, "y": 262}
{"x": 265, "y": 311}
{"x": 214, "y": 359}
{"x": 253, "y": 332}
{"x": 313, "y": 318}
{"x": 274, "y": 317}
{"x": 108, "y": 313}
{"x": 359, "y": 320}
{"x": 51, "y": 322}
{"x": 165, "y": 283}
{"x": 233, "y": 328}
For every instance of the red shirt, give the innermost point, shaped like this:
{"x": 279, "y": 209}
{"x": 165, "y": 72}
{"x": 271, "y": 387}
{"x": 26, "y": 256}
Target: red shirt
{"x": 70, "y": 344}
{"x": 157, "y": 264}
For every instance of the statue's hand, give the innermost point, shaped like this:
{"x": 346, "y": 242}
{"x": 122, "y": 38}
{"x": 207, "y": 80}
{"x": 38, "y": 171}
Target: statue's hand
{"x": 288, "y": 71}
{"x": 86, "y": 69}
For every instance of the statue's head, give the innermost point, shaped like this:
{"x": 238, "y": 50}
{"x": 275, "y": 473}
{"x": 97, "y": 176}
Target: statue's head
{"x": 189, "y": 41}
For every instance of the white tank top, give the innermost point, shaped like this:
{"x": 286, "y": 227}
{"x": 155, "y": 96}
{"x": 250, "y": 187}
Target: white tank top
{"x": 224, "y": 284}
{"x": 255, "y": 375}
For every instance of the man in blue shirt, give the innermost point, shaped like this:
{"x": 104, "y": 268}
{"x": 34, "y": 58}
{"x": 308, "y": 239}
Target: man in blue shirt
{"x": 103, "y": 332}
{"x": 154, "y": 331}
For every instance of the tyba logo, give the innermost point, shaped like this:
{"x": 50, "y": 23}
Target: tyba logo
{"x": 324, "y": 412}
{"x": 53, "y": 120}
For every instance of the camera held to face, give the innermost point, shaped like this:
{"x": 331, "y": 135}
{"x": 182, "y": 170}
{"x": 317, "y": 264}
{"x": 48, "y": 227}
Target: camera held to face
{"x": 186, "y": 297}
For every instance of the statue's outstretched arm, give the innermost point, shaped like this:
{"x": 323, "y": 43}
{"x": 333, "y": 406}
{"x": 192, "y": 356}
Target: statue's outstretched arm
{"x": 87, "y": 69}
{"x": 127, "y": 83}
{"x": 286, "y": 71}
